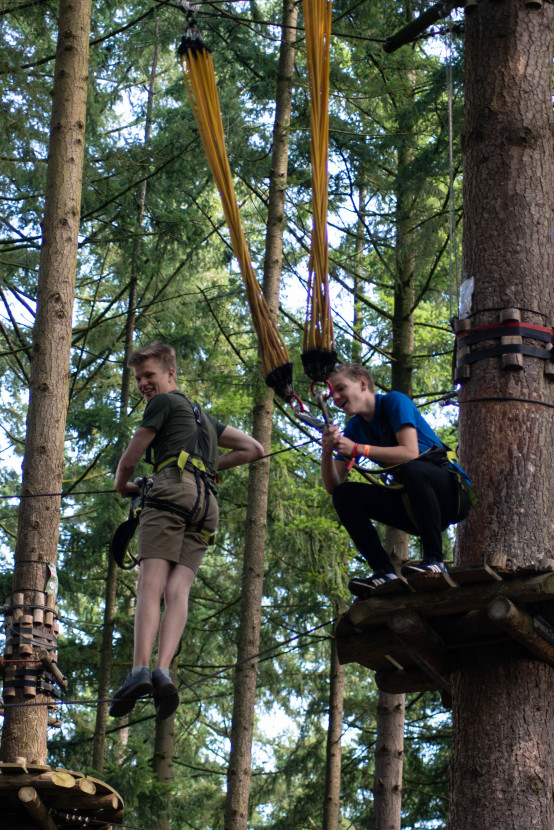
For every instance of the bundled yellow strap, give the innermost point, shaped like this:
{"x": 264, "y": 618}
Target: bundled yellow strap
{"x": 318, "y": 345}
{"x": 198, "y": 71}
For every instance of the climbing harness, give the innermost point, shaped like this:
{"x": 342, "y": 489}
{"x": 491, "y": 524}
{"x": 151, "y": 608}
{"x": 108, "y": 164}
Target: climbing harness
{"x": 119, "y": 546}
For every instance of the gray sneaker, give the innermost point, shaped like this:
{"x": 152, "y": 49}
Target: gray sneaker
{"x": 166, "y": 694}
{"x": 136, "y": 684}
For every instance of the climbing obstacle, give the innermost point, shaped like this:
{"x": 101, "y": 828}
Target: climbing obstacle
{"x": 412, "y": 632}
{"x": 55, "y": 798}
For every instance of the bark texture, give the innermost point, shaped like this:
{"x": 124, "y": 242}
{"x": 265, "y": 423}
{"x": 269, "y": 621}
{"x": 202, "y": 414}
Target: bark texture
{"x": 24, "y": 731}
{"x": 508, "y": 220}
{"x": 502, "y": 760}
{"x": 333, "y": 767}
{"x": 389, "y": 761}
{"x": 242, "y": 729}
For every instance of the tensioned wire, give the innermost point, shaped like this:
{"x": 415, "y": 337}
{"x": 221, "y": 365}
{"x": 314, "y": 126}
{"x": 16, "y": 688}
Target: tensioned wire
{"x": 265, "y": 653}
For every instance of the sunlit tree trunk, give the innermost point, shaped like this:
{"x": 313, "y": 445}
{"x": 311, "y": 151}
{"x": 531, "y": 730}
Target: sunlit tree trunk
{"x": 333, "y": 766}
{"x": 239, "y": 772}
{"x": 503, "y": 722}
{"x": 24, "y": 731}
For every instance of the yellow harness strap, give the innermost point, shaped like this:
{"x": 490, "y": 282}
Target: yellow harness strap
{"x": 181, "y": 460}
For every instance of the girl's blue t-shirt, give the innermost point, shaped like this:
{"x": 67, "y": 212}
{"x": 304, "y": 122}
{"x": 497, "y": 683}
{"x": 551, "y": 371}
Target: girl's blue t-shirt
{"x": 392, "y": 412}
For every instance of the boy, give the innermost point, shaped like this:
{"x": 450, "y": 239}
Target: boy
{"x": 389, "y": 430}
{"x": 178, "y": 519}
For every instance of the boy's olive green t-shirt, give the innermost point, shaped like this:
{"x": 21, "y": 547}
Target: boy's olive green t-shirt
{"x": 171, "y": 415}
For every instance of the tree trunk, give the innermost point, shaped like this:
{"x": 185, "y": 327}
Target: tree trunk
{"x": 163, "y": 760}
{"x": 389, "y": 760}
{"x": 389, "y": 747}
{"x": 105, "y": 657}
{"x": 331, "y": 804}
{"x": 239, "y": 772}
{"x": 503, "y": 723}
{"x": 24, "y": 731}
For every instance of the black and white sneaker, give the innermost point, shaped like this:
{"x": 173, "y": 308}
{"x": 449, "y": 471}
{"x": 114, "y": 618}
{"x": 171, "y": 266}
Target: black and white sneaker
{"x": 427, "y": 566}
{"x": 362, "y": 587}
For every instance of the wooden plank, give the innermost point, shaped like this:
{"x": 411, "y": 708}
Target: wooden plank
{"x": 365, "y": 650}
{"x": 430, "y": 582}
{"x": 397, "y": 586}
{"x": 470, "y": 574}
{"x": 373, "y": 612}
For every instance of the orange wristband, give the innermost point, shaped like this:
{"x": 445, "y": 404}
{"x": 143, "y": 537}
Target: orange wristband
{"x": 366, "y": 450}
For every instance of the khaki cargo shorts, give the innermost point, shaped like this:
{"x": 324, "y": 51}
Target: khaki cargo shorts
{"x": 162, "y": 535}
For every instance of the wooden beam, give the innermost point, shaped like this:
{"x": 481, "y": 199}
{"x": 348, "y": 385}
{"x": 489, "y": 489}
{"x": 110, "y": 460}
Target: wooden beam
{"x": 519, "y": 625}
{"x": 423, "y": 644}
{"x": 374, "y": 611}
{"x": 408, "y": 680}
{"x": 35, "y": 808}
{"x": 367, "y": 649}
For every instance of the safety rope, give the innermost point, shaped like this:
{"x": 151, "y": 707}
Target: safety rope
{"x": 265, "y": 653}
{"x": 198, "y": 71}
{"x": 318, "y": 354}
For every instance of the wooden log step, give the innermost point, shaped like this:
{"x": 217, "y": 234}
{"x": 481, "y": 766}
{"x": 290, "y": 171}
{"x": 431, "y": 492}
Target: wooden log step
{"x": 420, "y": 583}
{"x": 520, "y": 625}
{"x": 373, "y": 612}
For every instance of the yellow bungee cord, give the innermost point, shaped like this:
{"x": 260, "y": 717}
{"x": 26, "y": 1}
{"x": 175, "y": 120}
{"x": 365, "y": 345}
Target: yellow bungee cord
{"x": 198, "y": 71}
{"x": 318, "y": 356}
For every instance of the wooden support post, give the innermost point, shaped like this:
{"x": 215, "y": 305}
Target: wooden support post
{"x": 49, "y": 613}
{"x": 17, "y": 602}
{"x": 519, "y": 625}
{"x": 38, "y": 610}
{"x": 511, "y": 361}
{"x": 423, "y": 645}
{"x": 461, "y": 372}
{"x": 46, "y": 661}
{"x": 26, "y": 635}
{"x": 455, "y": 600}
{"x": 35, "y": 808}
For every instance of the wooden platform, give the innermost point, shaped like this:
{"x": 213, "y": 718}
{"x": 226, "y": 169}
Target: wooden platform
{"x": 411, "y": 633}
{"x": 55, "y": 798}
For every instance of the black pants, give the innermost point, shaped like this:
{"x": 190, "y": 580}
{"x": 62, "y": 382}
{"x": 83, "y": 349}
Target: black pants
{"x": 436, "y": 501}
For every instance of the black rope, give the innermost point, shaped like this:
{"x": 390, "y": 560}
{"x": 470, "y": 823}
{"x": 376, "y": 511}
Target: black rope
{"x": 515, "y": 400}
{"x": 69, "y": 494}
{"x": 185, "y": 686}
